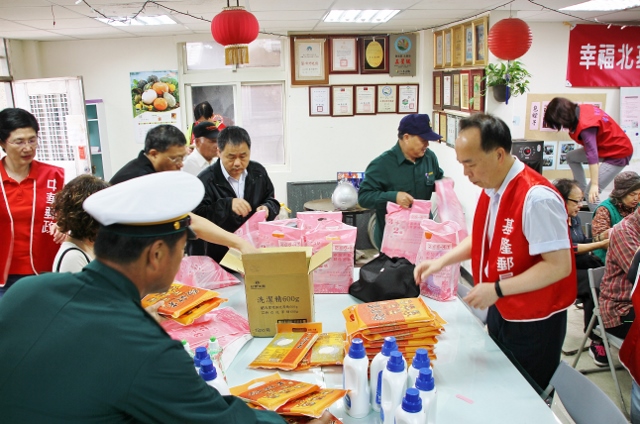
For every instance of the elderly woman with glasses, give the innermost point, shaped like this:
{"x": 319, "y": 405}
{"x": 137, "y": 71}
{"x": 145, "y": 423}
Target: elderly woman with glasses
{"x": 622, "y": 201}
{"x": 28, "y": 189}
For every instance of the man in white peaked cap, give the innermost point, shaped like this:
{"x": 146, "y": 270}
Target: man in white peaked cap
{"x": 79, "y": 348}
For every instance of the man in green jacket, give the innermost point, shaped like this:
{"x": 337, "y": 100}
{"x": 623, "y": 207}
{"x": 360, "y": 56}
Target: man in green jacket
{"x": 407, "y": 171}
{"x": 79, "y": 348}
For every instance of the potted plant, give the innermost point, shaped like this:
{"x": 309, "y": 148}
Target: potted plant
{"x": 507, "y": 79}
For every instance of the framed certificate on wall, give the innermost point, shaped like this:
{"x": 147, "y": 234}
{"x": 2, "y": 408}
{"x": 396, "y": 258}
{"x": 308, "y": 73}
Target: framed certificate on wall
{"x": 468, "y": 44}
{"x": 374, "y": 55}
{"x": 344, "y": 55}
{"x": 464, "y": 91}
{"x": 365, "y": 99}
{"x": 447, "y": 90}
{"x": 437, "y": 90}
{"x": 341, "y": 100}
{"x": 480, "y": 28}
{"x": 438, "y": 49}
{"x": 448, "y": 49}
{"x": 408, "y": 98}
{"x": 476, "y": 90}
{"x": 455, "y": 97}
{"x": 458, "y": 46}
{"x": 309, "y": 57}
{"x": 387, "y": 98}
{"x": 320, "y": 101}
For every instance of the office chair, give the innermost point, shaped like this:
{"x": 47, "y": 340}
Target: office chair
{"x": 481, "y": 314}
{"x": 595, "y": 278}
{"x": 585, "y": 402}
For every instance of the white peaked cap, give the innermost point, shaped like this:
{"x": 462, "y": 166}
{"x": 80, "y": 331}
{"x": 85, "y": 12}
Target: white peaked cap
{"x": 151, "y": 200}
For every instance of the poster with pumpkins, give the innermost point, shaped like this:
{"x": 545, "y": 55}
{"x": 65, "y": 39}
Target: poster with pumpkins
{"x": 155, "y": 100}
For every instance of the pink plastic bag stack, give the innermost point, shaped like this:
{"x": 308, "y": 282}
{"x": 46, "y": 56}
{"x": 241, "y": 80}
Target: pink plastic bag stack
{"x": 311, "y": 218}
{"x": 335, "y": 275}
{"x": 402, "y": 232}
{"x": 250, "y": 230}
{"x": 438, "y": 238}
{"x": 204, "y": 272}
{"x": 449, "y": 207}
{"x": 281, "y": 233}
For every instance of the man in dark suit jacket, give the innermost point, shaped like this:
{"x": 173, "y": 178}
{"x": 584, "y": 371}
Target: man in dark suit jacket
{"x": 235, "y": 189}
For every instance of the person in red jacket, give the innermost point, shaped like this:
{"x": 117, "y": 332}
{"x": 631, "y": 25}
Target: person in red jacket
{"x": 28, "y": 189}
{"x": 522, "y": 263}
{"x": 606, "y": 147}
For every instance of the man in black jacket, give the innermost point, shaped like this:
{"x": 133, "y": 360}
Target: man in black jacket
{"x": 164, "y": 150}
{"x": 235, "y": 189}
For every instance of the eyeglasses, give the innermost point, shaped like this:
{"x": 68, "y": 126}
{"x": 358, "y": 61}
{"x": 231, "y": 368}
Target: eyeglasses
{"x": 177, "y": 160}
{"x": 577, "y": 202}
{"x": 21, "y": 142}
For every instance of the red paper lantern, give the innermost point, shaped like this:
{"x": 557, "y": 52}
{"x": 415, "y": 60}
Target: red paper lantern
{"x": 510, "y": 38}
{"x": 235, "y": 28}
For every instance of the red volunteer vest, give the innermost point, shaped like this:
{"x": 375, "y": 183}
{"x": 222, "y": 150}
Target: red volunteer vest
{"x": 508, "y": 254}
{"x": 630, "y": 351}
{"x": 49, "y": 180}
{"x": 612, "y": 141}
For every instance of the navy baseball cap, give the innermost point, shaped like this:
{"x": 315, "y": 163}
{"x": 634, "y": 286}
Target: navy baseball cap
{"x": 418, "y": 124}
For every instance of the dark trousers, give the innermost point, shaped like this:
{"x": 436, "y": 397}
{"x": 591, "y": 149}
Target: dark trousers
{"x": 622, "y": 329}
{"x": 534, "y": 347}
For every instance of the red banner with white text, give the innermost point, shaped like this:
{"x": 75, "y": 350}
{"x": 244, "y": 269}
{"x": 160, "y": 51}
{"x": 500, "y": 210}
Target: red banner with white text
{"x": 604, "y": 56}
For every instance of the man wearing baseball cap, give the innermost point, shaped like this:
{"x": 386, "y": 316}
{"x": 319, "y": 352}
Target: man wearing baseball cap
{"x": 407, "y": 171}
{"x": 206, "y": 151}
{"x": 80, "y": 348}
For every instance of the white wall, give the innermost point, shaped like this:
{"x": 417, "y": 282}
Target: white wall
{"x": 317, "y": 147}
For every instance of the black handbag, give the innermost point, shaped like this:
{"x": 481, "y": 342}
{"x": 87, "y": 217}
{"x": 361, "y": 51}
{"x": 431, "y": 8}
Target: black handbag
{"x": 385, "y": 278}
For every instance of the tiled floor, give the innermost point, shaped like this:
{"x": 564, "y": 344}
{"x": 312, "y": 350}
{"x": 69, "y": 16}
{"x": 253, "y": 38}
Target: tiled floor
{"x": 603, "y": 379}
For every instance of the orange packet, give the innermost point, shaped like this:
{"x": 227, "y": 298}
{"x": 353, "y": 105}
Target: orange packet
{"x": 178, "y": 299}
{"x": 191, "y": 315}
{"x": 285, "y": 351}
{"x": 304, "y": 327}
{"x": 327, "y": 350}
{"x": 252, "y": 384}
{"x": 313, "y": 404}
{"x": 274, "y": 394}
{"x": 304, "y": 420}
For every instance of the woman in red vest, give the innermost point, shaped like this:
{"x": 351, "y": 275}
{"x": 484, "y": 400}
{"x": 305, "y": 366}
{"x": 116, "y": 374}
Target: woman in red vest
{"x": 28, "y": 189}
{"x": 604, "y": 143}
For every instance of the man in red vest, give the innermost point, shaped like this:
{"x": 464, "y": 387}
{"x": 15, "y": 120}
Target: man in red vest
{"x": 520, "y": 251}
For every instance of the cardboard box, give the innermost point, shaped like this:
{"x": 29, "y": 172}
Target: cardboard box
{"x": 278, "y": 284}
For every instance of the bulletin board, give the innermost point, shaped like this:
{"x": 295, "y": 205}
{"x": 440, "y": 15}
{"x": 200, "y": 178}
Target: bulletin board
{"x": 630, "y": 121}
{"x": 557, "y": 143}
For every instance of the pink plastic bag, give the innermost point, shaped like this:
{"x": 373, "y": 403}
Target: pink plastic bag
{"x": 281, "y": 233}
{"x": 438, "y": 238}
{"x": 312, "y": 218}
{"x": 204, "y": 272}
{"x": 228, "y": 326}
{"x": 402, "y": 232}
{"x": 449, "y": 207}
{"x": 335, "y": 275}
{"x": 250, "y": 230}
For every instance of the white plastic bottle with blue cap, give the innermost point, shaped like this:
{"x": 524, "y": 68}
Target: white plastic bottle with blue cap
{"x": 420, "y": 360}
{"x": 410, "y": 410}
{"x": 200, "y": 355}
{"x": 375, "y": 370}
{"x": 427, "y": 387}
{"x": 394, "y": 384}
{"x": 211, "y": 376}
{"x": 354, "y": 374}
{"x": 215, "y": 352}
{"x": 187, "y": 348}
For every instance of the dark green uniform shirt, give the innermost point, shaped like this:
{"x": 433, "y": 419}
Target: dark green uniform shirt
{"x": 79, "y": 348}
{"x": 390, "y": 173}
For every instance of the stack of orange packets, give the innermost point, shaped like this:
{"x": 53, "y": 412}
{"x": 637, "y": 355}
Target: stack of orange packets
{"x": 184, "y": 304}
{"x": 299, "y": 347}
{"x": 410, "y": 321}
{"x": 289, "y": 398}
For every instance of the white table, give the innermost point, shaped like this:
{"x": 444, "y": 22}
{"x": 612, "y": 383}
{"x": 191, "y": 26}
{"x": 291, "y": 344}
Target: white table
{"x": 469, "y": 366}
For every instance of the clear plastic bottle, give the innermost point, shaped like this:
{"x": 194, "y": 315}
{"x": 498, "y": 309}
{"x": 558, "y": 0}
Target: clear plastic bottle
{"x": 200, "y": 355}
{"x": 375, "y": 370}
{"x": 427, "y": 387}
{"x": 284, "y": 212}
{"x": 394, "y": 384}
{"x": 215, "y": 352}
{"x": 355, "y": 367}
{"x": 420, "y": 360}
{"x": 185, "y": 345}
{"x": 410, "y": 411}
{"x": 209, "y": 374}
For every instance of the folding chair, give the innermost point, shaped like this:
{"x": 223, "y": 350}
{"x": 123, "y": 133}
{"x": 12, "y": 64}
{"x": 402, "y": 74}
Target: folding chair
{"x": 595, "y": 278}
{"x": 481, "y": 314}
{"x": 585, "y": 402}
